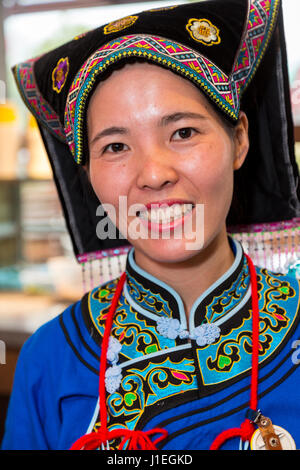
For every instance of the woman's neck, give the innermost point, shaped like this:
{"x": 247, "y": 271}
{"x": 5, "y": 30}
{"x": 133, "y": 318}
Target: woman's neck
{"x": 192, "y": 277}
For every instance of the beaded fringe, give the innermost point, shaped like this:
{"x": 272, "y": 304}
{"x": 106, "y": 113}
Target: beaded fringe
{"x": 102, "y": 266}
{"x": 275, "y": 247}
{"x": 272, "y": 246}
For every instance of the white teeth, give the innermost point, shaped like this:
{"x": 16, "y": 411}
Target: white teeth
{"x": 166, "y": 215}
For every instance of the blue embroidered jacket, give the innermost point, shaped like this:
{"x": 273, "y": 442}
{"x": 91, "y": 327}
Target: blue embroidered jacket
{"x": 167, "y": 380}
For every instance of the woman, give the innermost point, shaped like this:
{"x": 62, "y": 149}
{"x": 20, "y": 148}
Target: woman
{"x": 184, "y": 332}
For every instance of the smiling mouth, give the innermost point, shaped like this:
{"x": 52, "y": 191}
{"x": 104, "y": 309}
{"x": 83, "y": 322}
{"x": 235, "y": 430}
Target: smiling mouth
{"x": 165, "y": 215}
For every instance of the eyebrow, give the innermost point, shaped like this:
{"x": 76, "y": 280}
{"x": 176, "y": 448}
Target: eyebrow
{"x": 109, "y": 131}
{"x": 164, "y": 121}
{"x": 177, "y": 116}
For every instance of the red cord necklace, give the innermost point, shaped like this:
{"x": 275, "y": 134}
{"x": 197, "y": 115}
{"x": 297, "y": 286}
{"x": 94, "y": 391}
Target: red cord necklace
{"x": 141, "y": 440}
{"x": 247, "y": 428}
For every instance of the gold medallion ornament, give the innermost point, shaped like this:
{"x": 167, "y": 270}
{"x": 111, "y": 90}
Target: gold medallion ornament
{"x": 286, "y": 440}
{"x": 202, "y": 30}
{"x": 268, "y": 436}
{"x": 120, "y": 24}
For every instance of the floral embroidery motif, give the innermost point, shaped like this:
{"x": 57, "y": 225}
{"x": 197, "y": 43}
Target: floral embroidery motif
{"x": 118, "y": 25}
{"x": 145, "y": 385}
{"x": 202, "y": 30}
{"x": 113, "y": 375}
{"x": 273, "y": 291}
{"x": 152, "y": 302}
{"x": 59, "y": 74}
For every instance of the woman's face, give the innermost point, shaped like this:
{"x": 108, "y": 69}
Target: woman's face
{"x": 155, "y": 140}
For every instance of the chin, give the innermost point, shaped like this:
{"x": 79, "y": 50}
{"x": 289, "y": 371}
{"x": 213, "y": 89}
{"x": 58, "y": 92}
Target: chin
{"x": 167, "y": 251}
{"x": 181, "y": 250}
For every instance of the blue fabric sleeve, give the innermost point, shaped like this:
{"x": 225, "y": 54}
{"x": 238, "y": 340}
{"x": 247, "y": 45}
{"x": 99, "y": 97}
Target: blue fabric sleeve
{"x": 23, "y": 427}
{"x": 32, "y": 421}
{"x": 55, "y": 388}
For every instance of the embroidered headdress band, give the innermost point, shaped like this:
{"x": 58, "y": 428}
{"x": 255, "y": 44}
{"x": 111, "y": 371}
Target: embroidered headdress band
{"x": 191, "y": 40}
{"x": 232, "y": 50}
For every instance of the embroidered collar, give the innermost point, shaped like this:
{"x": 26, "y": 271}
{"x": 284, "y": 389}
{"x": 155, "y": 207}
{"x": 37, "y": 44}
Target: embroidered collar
{"x": 147, "y": 367}
{"x": 156, "y": 300}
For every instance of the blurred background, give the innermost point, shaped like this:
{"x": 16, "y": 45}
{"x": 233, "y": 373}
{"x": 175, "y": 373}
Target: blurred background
{"x": 39, "y": 275}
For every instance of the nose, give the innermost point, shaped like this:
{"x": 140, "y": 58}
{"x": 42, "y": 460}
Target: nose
{"x": 156, "y": 169}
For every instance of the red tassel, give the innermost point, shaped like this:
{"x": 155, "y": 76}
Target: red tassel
{"x": 244, "y": 432}
{"x": 247, "y": 428}
{"x": 90, "y": 441}
{"x": 137, "y": 440}
{"x": 140, "y": 440}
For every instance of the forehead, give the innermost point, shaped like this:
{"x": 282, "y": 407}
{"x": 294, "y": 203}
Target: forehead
{"x": 141, "y": 80}
{"x": 134, "y": 84}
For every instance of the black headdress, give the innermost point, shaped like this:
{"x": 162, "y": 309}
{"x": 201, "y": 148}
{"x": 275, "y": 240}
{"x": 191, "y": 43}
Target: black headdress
{"x": 234, "y": 51}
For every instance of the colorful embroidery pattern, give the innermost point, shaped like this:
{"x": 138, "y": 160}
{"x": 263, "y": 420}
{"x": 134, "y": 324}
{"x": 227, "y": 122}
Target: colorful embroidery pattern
{"x": 220, "y": 307}
{"x": 262, "y": 17}
{"x": 137, "y": 334}
{"x": 153, "y": 369}
{"x": 120, "y": 24}
{"x": 34, "y": 100}
{"x": 277, "y": 305}
{"x": 167, "y": 53}
{"x": 145, "y": 385}
{"x": 276, "y": 291}
{"x": 59, "y": 74}
{"x": 202, "y": 30}
{"x": 224, "y": 90}
{"x": 150, "y": 301}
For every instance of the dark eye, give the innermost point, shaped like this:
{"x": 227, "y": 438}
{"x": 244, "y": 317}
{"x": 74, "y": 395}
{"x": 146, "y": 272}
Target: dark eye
{"x": 184, "y": 133}
{"x": 115, "y": 147}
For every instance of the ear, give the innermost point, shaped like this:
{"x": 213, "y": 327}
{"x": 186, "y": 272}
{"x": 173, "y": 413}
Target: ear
{"x": 241, "y": 141}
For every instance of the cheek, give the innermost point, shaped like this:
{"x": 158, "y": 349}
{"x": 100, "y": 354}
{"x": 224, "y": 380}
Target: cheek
{"x": 102, "y": 184}
{"x": 109, "y": 182}
{"x": 211, "y": 169}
